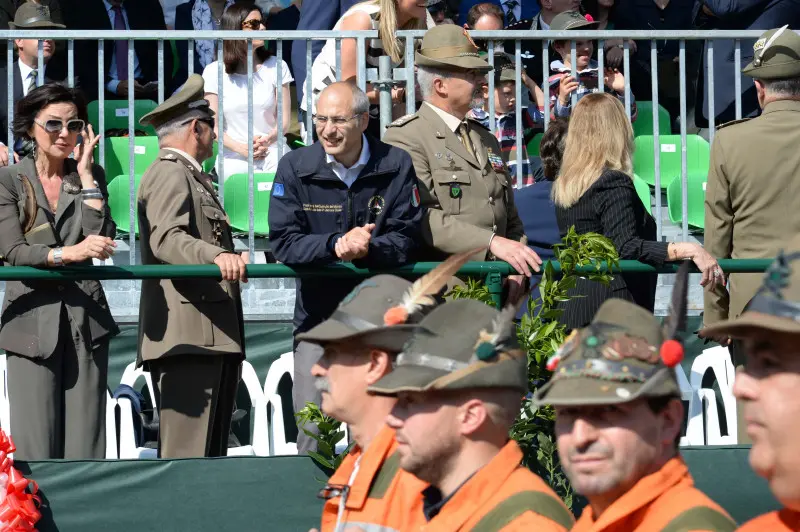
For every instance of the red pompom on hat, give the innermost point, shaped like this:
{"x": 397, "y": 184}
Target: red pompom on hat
{"x": 671, "y": 353}
{"x": 589, "y": 17}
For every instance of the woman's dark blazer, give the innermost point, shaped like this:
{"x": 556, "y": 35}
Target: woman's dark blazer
{"x": 612, "y": 208}
{"x": 32, "y": 313}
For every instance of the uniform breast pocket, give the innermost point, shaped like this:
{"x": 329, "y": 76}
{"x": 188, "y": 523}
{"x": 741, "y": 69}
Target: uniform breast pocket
{"x": 453, "y": 188}
{"x": 215, "y": 221}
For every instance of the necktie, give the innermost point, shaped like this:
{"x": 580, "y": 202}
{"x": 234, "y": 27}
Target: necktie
{"x": 463, "y": 134}
{"x": 510, "y": 5}
{"x": 120, "y": 47}
{"x": 33, "y": 76}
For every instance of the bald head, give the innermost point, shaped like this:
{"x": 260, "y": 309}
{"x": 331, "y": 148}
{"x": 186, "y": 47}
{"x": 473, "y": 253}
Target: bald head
{"x": 341, "y": 119}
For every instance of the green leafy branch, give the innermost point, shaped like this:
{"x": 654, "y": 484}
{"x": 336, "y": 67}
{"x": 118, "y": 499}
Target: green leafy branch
{"x": 330, "y": 434}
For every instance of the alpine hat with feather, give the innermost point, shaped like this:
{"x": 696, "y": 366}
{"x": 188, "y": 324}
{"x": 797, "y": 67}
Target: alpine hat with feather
{"x": 382, "y": 311}
{"x": 449, "y": 47}
{"x": 623, "y": 355}
{"x": 462, "y": 344}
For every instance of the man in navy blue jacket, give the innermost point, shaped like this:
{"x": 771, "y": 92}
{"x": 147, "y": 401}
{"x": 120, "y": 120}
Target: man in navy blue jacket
{"x": 349, "y": 198}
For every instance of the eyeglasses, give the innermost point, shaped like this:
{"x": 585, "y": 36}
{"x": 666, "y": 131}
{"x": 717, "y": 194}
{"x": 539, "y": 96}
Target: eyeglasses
{"x": 336, "y": 121}
{"x": 252, "y": 24}
{"x": 75, "y": 125}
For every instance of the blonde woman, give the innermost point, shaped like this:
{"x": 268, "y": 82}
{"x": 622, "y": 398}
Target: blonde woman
{"x": 594, "y": 193}
{"x": 385, "y": 16}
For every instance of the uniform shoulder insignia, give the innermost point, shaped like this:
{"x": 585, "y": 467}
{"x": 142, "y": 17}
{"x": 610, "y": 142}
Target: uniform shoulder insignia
{"x": 732, "y": 122}
{"x": 169, "y": 157}
{"x": 403, "y": 120}
{"x": 477, "y": 122}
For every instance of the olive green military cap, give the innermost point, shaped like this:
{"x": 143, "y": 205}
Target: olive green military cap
{"x": 30, "y": 15}
{"x": 462, "y": 344}
{"x": 776, "y": 305}
{"x": 362, "y": 316}
{"x": 186, "y": 104}
{"x": 449, "y": 47}
{"x": 616, "y": 359}
{"x": 571, "y": 20}
{"x": 776, "y": 55}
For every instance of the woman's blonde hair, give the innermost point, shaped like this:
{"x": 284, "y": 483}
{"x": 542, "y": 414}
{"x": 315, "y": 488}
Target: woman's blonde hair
{"x": 599, "y": 138}
{"x": 387, "y": 28}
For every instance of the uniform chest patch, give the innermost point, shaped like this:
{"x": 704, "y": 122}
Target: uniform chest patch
{"x": 455, "y": 190}
{"x": 376, "y": 205}
{"x": 496, "y": 161}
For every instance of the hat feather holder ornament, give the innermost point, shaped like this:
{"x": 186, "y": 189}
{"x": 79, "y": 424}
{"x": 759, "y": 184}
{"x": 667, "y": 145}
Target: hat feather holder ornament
{"x": 671, "y": 351}
{"x": 491, "y": 343}
{"x": 422, "y": 292}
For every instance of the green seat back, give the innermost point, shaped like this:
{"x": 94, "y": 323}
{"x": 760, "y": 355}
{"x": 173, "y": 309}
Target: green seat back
{"x": 237, "y": 205}
{"x": 533, "y": 145}
{"x": 644, "y": 120}
{"x": 696, "y": 195}
{"x": 145, "y": 151}
{"x": 116, "y": 114}
{"x": 697, "y": 157}
{"x": 643, "y": 191}
{"x": 118, "y": 203}
{"x": 209, "y": 163}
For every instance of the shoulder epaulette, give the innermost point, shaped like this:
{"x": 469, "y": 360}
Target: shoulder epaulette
{"x": 169, "y": 157}
{"x": 732, "y": 122}
{"x": 403, "y": 120}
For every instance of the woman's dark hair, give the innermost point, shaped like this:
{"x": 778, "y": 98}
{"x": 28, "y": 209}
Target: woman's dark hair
{"x": 551, "y": 150}
{"x": 27, "y": 108}
{"x": 234, "y": 53}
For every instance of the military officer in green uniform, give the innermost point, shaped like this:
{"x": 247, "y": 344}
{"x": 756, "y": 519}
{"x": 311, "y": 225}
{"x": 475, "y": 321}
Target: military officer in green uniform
{"x": 754, "y": 176}
{"x": 190, "y": 330}
{"x": 464, "y": 183}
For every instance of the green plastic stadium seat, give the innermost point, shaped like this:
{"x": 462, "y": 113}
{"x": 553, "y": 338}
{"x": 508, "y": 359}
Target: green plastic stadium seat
{"x": 145, "y": 151}
{"x": 116, "y": 114}
{"x": 533, "y": 145}
{"x": 118, "y": 193}
{"x": 237, "y": 205}
{"x": 644, "y": 120}
{"x": 697, "y": 157}
{"x": 643, "y": 191}
{"x": 696, "y": 195}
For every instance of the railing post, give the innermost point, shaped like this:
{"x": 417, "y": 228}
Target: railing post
{"x": 384, "y": 85}
{"x": 494, "y": 283}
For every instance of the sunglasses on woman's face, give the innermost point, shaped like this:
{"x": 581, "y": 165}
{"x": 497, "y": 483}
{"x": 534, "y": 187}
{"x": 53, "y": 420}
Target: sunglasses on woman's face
{"x": 75, "y": 125}
{"x": 252, "y": 24}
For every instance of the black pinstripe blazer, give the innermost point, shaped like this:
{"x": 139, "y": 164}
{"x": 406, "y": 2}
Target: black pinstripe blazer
{"x": 612, "y": 208}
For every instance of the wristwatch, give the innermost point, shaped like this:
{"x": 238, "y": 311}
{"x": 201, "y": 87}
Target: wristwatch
{"x": 58, "y": 259}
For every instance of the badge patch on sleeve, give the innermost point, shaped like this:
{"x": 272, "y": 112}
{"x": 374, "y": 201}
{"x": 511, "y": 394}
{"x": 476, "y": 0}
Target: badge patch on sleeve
{"x": 277, "y": 190}
{"x": 415, "y": 200}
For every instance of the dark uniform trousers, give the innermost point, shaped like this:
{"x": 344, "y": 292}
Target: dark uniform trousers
{"x": 58, "y": 403}
{"x": 196, "y": 396}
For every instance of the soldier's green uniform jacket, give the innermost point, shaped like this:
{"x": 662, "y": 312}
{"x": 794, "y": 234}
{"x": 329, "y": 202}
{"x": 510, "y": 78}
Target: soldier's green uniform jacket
{"x": 754, "y": 179}
{"x": 181, "y": 221}
{"x": 467, "y": 198}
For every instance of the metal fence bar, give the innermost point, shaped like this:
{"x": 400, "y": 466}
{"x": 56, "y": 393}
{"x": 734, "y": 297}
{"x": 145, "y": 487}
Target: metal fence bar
{"x": 257, "y": 271}
{"x": 573, "y": 58}
{"x": 656, "y": 140}
{"x": 545, "y": 82}
{"x": 71, "y": 62}
{"x": 220, "y": 124}
{"x": 101, "y": 98}
{"x": 40, "y": 63}
{"x": 684, "y": 186}
{"x": 279, "y": 101}
{"x": 309, "y": 96}
{"x": 491, "y": 101}
{"x": 190, "y": 58}
{"x": 411, "y": 87}
{"x": 250, "y": 175}
{"x": 626, "y": 65}
{"x": 10, "y": 98}
{"x": 361, "y": 64}
{"x": 161, "y": 78}
{"x": 737, "y": 77}
{"x": 711, "y": 108}
{"x": 131, "y": 155}
{"x": 519, "y": 110}
{"x": 338, "y": 54}
{"x": 601, "y": 52}
{"x": 385, "y": 91}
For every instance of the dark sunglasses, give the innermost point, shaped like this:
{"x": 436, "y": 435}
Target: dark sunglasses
{"x": 252, "y": 24}
{"x": 75, "y": 125}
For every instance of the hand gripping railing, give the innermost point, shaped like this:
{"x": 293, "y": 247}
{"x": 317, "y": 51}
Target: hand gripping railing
{"x": 493, "y": 272}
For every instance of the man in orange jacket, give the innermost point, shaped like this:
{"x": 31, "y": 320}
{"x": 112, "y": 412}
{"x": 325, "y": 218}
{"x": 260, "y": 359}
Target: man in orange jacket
{"x": 769, "y": 329}
{"x": 459, "y": 382}
{"x": 618, "y": 424}
{"x": 361, "y": 338}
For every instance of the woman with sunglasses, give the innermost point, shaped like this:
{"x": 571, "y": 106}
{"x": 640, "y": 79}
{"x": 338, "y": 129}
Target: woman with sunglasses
{"x": 54, "y": 212}
{"x": 245, "y": 16}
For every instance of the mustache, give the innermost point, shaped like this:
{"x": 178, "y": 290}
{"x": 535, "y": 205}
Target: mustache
{"x": 595, "y": 449}
{"x": 322, "y": 384}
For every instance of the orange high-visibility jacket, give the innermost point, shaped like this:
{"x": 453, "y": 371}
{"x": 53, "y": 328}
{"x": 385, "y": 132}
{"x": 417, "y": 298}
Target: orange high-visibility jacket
{"x": 781, "y": 521}
{"x": 502, "y": 496}
{"x": 382, "y": 497}
{"x": 663, "y": 501}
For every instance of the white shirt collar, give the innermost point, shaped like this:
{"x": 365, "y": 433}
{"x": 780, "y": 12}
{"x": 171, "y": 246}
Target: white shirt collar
{"x": 188, "y": 157}
{"x": 449, "y": 120}
{"x": 362, "y": 159}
